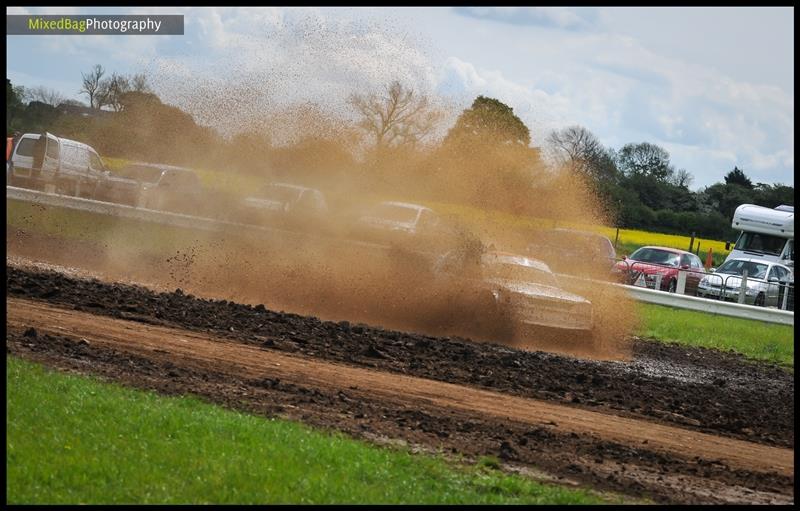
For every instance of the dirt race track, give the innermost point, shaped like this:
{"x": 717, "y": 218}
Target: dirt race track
{"x": 675, "y": 424}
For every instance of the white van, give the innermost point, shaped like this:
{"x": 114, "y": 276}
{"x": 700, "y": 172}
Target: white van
{"x": 56, "y": 165}
{"x": 765, "y": 234}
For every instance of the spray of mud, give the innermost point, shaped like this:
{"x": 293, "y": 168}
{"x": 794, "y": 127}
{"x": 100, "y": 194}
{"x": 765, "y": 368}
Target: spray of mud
{"x": 494, "y": 194}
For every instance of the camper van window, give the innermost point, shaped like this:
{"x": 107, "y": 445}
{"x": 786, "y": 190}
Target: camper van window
{"x": 25, "y": 147}
{"x": 761, "y": 243}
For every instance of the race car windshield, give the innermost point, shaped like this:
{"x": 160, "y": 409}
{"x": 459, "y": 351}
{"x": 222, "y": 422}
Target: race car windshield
{"x": 737, "y": 267}
{"x": 653, "y": 255}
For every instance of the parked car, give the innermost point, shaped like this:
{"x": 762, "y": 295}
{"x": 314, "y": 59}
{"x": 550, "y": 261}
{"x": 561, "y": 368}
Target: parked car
{"x": 766, "y": 281}
{"x": 522, "y": 290}
{"x": 53, "y": 164}
{"x": 568, "y": 251}
{"x": 144, "y": 173}
{"x": 402, "y": 224}
{"x": 644, "y": 265}
{"x": 177, "y": 189}
{"x": 286, "y": 205}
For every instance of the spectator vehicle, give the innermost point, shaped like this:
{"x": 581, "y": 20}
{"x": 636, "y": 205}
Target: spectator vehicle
{"x": 569, "y": 251}
{"x": 522, "y": 290}
{"x": 177, "y": 189}
{"x": 125, "y": 186}
{"x": 644, "y": 266}
{"x": 55, "y": 165}
{"x": 288, "y": 205}
{"x": 765, "y": 233}
{"x": 766, "y": 283}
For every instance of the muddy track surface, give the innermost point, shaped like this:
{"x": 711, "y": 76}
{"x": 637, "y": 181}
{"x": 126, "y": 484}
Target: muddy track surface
{"x": 674, "y": 424}
{"x": 696, "y": 388}
{"x": 623, "y": 454}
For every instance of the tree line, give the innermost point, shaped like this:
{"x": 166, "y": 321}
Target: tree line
{"x": 486, "y": 158}
{"x": 650, "y": 193}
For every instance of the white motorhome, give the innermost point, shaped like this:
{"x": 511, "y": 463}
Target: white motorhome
{"x": 52, "y": 164}
{"x": 764, "y": 233}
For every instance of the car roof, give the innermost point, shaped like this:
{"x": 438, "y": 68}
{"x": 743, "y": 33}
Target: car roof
{"x": 159, "y": 166}
{"x": 62, "y": 140}
{"x": 669, "y": 249}
{"x": 170, "y": 168}
{"x": 405, "y": 205}
{"x": 509, "y": 258}
{"x": 288, "y": 185}
{"x": 757, "y": 260}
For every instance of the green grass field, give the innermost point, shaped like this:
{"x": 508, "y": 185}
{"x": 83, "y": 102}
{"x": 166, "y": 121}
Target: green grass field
{"x": 754, "y": 339}
{"x": 73, "y": 439}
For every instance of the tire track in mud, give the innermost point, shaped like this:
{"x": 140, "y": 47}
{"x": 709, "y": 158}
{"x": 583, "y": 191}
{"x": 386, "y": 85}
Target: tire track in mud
{"x": 672, "y": 455}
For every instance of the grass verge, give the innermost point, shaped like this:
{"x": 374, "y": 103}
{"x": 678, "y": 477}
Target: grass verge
{"x": 73, "y": 439}
{"x": 753, "y": 339}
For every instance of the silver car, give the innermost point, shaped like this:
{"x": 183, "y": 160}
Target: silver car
{"x": 287, "y": 205}
{"x": 766, "y": 282}
{"x": 526, "y": 289}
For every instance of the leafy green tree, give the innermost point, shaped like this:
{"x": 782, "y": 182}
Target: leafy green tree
{"x": 738, "y": 177}
{"x": 14, "y": 106}
{"x": 645, "y": 159}
{"x": 773, "y": 195}
{"x": 725, "y": 198}
{"x": 489, "y": 121}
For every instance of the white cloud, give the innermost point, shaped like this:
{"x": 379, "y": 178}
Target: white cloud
{"x": 626, "y": 93}
{"x": 551, "y": 17}
{"x": 234, "y": 64}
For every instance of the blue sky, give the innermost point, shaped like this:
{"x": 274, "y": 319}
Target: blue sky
{"x": 714, "y": 86}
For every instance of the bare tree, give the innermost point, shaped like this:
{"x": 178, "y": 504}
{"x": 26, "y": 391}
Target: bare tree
{"x": 44, "y": 95}
{"x": 93, "y": 86}
{"x": 138, "y": 83}
{"x": 113, "y": 89}
{"x": 398, "y": 117}
{"x": 683, "y": 178}
{"x": 579, "y": 149}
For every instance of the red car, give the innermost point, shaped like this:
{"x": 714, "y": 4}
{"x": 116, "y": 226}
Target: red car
{"x": 646, "y": 263}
